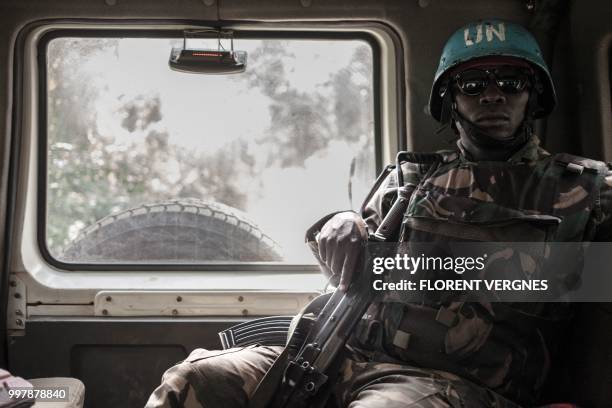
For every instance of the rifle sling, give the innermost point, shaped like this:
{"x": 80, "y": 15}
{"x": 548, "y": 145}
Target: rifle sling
{"x": 273, "y": 377}
{"x": 270, "y": 382}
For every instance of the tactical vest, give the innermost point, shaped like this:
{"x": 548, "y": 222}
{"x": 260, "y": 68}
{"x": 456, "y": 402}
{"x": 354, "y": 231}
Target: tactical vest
{"x": 505, "y": 347}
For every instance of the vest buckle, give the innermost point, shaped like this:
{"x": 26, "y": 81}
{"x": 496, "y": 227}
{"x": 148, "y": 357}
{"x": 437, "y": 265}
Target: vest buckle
{"x": 574, "y": 168}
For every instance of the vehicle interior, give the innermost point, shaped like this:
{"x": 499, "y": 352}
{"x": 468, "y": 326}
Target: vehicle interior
{"x": 148, "y": 202}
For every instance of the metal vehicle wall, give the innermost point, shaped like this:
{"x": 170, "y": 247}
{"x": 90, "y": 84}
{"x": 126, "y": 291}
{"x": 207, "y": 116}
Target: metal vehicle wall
{"x": 120, "y": 359}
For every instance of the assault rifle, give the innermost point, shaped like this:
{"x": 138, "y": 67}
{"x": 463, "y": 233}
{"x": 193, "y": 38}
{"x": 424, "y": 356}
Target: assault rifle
{"x": 306, "y": 372}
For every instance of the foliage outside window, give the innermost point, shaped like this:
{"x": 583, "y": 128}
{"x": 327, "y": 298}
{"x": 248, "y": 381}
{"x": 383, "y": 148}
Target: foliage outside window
{"x": 271, "y": 150}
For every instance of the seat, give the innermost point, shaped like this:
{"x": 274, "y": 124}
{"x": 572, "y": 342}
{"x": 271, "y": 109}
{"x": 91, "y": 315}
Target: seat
{"x": 76, "y": 392}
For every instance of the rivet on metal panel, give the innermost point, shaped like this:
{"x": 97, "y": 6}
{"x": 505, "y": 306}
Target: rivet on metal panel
{"x": 179, "y": 299}
{"x": 240, "y": 298}
{"x": 245, "y": 312}
{"x": 105, "y": 312}
{"x": 16, "y": 304}
{"x": 174, "y": 312}
{"x": 306, "y": 3}
{"x": 108, "y": 298}
{"x": 423, "y": 3}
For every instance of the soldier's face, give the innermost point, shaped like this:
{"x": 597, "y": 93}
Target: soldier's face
{"x": 496, "y": 113}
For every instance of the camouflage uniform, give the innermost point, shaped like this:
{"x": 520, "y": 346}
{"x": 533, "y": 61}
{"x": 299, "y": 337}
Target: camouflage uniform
{"x": 486, "y": 352}
{"x": 226, "y": 379}
{"x": 533, "y": 197}
{"x": 210, "y": 379}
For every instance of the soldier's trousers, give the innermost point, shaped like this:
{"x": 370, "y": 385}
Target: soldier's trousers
{"x": 226, "y": 379}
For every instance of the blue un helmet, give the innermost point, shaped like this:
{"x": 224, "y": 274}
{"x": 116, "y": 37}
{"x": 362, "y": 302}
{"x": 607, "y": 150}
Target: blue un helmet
{"x": 494, "y": 38}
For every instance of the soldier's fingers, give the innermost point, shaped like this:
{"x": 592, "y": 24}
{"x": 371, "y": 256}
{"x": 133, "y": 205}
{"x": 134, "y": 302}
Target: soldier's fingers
{"x": 348, "y": 271}
{"x": 350, "y": 263}
{"x": 337, "y": 261}
{"x": 331, "y": 251}
{"x": 322, "y": 244}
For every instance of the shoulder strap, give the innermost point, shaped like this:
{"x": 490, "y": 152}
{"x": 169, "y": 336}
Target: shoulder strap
{"x": 578, "y": 165}
{"x": 416, "y": 165}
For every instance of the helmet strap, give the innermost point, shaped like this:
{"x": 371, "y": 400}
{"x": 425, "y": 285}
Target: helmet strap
{"x": 447, "y": 107}
{"x": 446, "y": 116}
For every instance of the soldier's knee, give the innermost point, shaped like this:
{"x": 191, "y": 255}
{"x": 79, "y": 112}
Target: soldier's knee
{"x": 212, "y": 378}
{"x": 176, "y": 389}
{"x": 178, "y": 373}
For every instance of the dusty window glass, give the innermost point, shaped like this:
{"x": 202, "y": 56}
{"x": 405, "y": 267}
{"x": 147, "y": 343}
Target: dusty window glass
{"x": 149, "y": 165}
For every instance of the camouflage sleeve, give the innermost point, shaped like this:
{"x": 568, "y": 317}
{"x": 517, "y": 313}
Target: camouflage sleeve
{"x": 379, "y": 201}
{"x": 603, "y": 216}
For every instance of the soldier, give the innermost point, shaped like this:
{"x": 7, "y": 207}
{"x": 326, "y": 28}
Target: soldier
{"x": 498, "y": 185}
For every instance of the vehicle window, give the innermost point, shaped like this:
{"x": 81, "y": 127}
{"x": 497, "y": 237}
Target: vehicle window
{"x": 148, "y": 165}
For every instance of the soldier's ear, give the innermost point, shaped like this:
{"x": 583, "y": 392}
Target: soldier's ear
{"x": 537, "y": 83}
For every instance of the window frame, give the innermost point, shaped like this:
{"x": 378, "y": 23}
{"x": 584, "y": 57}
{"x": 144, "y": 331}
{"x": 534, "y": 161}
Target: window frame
{"x": 42, "y": 162}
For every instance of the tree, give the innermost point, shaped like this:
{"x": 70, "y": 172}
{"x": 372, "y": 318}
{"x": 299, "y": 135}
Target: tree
{"x": 91, "y": 173}
{"x": 91, "y": 176}
{"x": 303, "y": 123}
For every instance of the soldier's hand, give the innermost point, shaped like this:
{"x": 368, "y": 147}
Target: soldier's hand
{"x": 341, "y": 241}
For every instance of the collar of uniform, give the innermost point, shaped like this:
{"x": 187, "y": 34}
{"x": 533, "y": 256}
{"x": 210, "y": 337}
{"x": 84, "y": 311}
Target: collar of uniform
{"x": 529, "y": 152}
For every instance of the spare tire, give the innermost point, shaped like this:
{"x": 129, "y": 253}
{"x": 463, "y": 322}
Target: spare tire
{"x": 187, "y": 231}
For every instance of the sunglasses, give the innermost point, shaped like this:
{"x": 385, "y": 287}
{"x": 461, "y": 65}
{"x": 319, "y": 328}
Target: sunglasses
{"x": 509, "y": 80}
